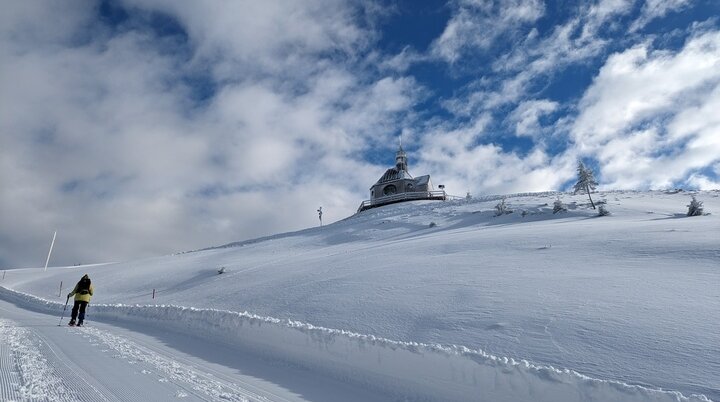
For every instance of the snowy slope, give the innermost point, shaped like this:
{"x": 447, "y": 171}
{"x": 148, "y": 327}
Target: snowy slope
{"x": 629, "y": 299}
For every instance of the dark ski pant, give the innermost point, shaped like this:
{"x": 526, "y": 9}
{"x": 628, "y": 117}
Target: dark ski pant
{"x": 79, "y": 305}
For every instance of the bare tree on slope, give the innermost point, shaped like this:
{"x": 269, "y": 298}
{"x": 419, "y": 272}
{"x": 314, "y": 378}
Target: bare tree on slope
{"x": 586, "y": 181}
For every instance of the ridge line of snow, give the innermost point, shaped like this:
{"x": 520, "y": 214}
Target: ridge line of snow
{"x": 429, "y": 205}
{"x": 434, "y": 371}
{"x": 484, "y": 198}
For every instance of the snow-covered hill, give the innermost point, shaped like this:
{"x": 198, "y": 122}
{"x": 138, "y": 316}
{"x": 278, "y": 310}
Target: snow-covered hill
{"x": 445, "y": 300}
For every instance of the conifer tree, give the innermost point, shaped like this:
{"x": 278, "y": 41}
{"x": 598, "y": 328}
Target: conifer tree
{"x": 586, "y": 181}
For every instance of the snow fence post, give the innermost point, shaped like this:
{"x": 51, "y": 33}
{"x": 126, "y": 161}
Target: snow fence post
{"x": 153, "y": 293}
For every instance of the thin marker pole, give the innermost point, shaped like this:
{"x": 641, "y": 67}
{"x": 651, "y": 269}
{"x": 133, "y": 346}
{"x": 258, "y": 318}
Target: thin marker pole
{"x": 60, "y": 291}
{"x": 50, "y": 252}
{"x": 64, "y": 308}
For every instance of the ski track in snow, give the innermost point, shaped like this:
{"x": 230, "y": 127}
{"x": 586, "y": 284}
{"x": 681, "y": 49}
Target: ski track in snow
{"x": 170, "y": 369}
{"x": 26, "y": 373}
{"x": 30, "y": 370}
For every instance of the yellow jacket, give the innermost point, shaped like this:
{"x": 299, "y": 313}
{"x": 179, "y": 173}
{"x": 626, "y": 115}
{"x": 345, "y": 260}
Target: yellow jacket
{"x": 82, "y": 296}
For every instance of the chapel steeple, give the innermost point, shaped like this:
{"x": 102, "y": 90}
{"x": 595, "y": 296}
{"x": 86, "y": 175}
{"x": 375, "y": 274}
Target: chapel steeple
{"x": 401, "y": 159}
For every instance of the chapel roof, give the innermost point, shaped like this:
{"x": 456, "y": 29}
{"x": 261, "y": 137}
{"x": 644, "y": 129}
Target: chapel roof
{"x": 394, "y": 174}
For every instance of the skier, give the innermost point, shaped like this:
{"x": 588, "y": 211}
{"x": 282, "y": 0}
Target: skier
{"x": 82, "y": 291}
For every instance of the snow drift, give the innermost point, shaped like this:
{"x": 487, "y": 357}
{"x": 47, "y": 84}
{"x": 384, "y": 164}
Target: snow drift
{"x": 415, "y": 370}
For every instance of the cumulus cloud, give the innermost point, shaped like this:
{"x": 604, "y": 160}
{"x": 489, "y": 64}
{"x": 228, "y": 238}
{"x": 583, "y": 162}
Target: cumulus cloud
{"x": 651, "y": 115}
{"x": 459, "y": 160}
{"x": 703, "y": 182}
{"x": 235, "y": 38}
{"x": 104, "y": 137}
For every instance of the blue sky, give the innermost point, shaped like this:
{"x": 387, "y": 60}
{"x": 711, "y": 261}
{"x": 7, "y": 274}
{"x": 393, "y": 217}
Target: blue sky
{"x": 137, "y": 128}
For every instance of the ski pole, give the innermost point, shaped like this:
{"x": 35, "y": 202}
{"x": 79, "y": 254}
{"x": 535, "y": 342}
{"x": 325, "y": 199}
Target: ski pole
{"x": 64, "y": 308}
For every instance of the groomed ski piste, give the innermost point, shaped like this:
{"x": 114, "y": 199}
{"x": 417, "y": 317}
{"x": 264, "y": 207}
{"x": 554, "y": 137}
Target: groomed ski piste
{"x": 441, "y": 300}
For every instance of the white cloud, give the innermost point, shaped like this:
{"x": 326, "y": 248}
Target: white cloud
{"x": 26, "y": 23}
{"x": 457, "y": 159}
{"x": 102, "y": 139}
{"x": 530, "y": 62}
{"x": 403, "y": 60}
{"x": 263, "y": 38}
{"x": 527, "y": 115}
{"x": 476, "y": 24}
{"x": 653, "y": 9}
{"x": 650, "y": 117}
{"x": 601, "y": 12}
{"x": 702, "y": 182}
{"x": 535, "y": 58}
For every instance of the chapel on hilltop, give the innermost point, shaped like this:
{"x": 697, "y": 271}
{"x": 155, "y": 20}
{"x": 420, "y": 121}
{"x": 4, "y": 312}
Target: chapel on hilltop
{"x": 397, "y": 185}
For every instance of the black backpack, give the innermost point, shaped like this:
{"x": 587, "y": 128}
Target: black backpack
{"x": 83, "y": 287}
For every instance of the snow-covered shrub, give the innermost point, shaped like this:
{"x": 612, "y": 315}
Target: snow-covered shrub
{"x": 524, "y": 213}
{"x": 501, "y": 208}
{"x": 695, "y": 207}
{"x": 432, "y": 225}
{"x": 602, "y": 211}
{"x": 558, "y": 206}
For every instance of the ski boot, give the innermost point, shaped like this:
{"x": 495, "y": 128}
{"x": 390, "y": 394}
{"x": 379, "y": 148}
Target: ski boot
{"x": 71, "y": 323}
{"x": 79, "y": 324}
